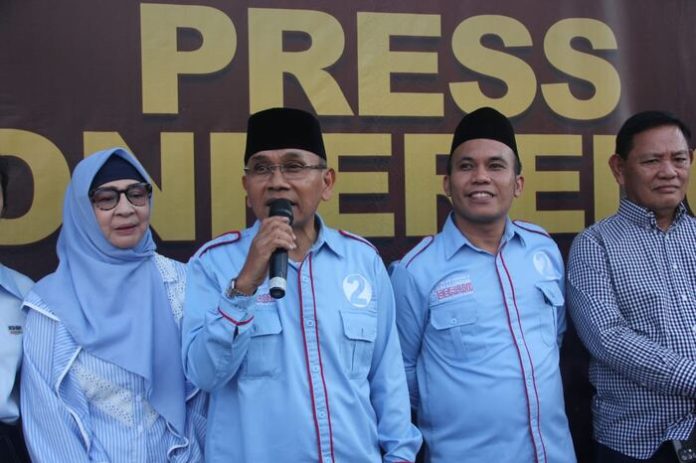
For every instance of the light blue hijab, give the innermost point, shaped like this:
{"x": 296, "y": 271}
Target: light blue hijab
{"x": 113, "y": 301}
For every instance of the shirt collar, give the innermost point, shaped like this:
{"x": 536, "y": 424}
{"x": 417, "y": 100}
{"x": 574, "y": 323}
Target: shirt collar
{"x": 455, "y": 239}
{"x": 643, "y": 216}
{"x": 8, "y": 283}
{"x": 328, "y": 237}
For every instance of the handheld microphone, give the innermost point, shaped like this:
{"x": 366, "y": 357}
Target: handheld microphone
{"x": 278, "y": 271}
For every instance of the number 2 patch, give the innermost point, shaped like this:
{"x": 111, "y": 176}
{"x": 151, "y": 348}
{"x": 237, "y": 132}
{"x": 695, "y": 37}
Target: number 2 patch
{"x": 357, "y": 290}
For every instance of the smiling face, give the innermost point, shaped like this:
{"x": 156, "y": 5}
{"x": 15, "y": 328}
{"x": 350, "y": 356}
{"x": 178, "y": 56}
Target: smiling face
{"x": 124, "y": 225}
{"x": 304, "y": 192}
{"x": 483, "y": 183}
{"x": 655, "y": 173}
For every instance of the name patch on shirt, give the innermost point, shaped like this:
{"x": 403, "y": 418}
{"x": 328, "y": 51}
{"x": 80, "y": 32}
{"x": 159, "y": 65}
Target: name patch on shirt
{"x": 264, "y": 298}
{"x": 14, "y": 329}
{"x": 458, "y": 285}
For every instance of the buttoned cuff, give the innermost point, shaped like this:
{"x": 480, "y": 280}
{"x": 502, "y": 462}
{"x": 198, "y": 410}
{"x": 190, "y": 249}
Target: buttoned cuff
{"x": 238, "y": 310}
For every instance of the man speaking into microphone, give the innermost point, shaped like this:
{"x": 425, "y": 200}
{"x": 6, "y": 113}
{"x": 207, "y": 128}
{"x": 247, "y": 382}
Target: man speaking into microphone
{"x": 308, "y": 369}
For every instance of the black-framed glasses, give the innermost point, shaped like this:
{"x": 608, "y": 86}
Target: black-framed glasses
{"x": 292, "y": 170}
{"x": 106, "y": 198}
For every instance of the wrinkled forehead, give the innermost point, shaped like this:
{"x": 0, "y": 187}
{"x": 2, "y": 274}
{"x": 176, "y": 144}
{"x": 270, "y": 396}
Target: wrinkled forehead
{"x": 664, "y": 139}
{"x": 284, "y": 155}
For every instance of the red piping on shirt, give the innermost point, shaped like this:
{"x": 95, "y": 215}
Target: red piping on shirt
{"x": 432, "y": 239}
{"x": 237, "y": 323}
{"x": 529, "y": 356}
{"x": 309, "y": 375}
{"x": 519, "y": 356}
{"x": 531, "y": 230}
{"x": 208, "y": 246}
{"x": 358, "y": 238}
{"x": 321, "y": 364}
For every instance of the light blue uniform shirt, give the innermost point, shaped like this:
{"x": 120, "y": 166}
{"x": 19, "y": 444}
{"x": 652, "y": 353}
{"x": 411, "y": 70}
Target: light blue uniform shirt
{"x": 13, "y": 288}
{"x": 480, "y": 335}
{"x": 316, "y": 376}
{"x": 79, "y": 408}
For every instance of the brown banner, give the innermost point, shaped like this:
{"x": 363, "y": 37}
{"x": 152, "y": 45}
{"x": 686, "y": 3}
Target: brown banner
{"x": 175, "y": 82}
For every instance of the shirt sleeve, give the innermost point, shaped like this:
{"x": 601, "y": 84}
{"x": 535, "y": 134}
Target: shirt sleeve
{"x": 608, "y": 335}
{"x": 10, "y": 357}
{"x": 215, "y": 329}
{"x": 51, "y": 431}
{"x": 561, "y": 324}
{"x": 398, "y": 437}
{"x": 410, "y": 321}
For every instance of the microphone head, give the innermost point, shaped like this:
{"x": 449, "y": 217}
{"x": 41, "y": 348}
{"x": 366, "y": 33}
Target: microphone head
{"x": 280, "y": 207}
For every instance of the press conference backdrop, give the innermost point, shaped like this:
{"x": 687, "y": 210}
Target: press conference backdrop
{"x": 174, "y": 82}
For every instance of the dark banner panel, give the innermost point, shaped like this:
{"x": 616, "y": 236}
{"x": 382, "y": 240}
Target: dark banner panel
{"x": 175, "y": 82}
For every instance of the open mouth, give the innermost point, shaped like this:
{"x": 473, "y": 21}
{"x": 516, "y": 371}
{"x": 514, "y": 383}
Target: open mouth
{"x": 480, "y": 195}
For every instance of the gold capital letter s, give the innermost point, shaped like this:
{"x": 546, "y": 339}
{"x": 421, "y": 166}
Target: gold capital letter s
{"x": 517, "y": 75}
{"x": 600, "y": 73}
{"x": 162, "y": 62}
{"x": 51, "y": 176}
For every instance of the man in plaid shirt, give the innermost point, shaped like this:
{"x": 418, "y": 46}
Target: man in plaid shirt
{"x": 631, "y": 292}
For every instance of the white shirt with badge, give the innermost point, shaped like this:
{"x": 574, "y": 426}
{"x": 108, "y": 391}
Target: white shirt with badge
{"x": 13, "y": 288}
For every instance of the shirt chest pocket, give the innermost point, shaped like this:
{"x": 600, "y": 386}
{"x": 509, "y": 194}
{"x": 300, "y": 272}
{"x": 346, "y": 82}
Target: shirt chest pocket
{"x": 358, "y": 343}
{"x": 263, "y": 358}
{"x": 553, "y": 301}
{"x": 453, "y": 328}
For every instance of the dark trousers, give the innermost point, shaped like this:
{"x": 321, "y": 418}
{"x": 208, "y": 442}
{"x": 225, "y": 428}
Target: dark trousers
{"x": 12, "y": 448}
{"x": 664, "y": 454}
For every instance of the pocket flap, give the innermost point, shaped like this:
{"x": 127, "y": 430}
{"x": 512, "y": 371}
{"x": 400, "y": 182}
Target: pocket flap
{"x": 359, "y": 326}
{"x": 266, "y": 322}
{"x": 450, "y": 315}
{"x": 552, "y": 292}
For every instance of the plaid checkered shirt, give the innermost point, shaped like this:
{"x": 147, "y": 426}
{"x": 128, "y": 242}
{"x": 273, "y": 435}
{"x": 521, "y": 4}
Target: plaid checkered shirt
{"x": 631, "y": 293}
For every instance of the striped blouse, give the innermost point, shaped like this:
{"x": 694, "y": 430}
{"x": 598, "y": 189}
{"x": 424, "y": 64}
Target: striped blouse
{"x": 79, "y": 408}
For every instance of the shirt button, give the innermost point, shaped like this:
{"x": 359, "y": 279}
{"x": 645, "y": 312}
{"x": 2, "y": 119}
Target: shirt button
{"x": 315, "y": 368}
{"x": 138, "y": 397}
{"x": 140, "y": 429}
{"x": 322, "y": 414}
{"x": 675, "y": 266}
{"x": 453, "y": 321}
{"x": 685, "y": 297}
{"x": 309, "y": 322}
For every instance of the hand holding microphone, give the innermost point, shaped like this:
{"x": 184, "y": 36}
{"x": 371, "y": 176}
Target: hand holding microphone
{"x": 278, "y": 271}
{"x": 274, "y": 238}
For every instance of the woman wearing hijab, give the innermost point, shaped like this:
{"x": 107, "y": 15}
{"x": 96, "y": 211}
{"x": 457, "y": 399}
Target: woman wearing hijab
{"x": 13, "y": 287}
{"x": 102, "y": 378}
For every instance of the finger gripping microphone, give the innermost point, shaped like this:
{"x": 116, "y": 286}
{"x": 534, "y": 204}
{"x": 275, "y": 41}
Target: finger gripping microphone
{"x": 278, "y": 271}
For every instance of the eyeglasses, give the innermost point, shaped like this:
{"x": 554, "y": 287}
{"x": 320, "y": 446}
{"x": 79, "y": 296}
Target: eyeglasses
{"x": 107, "y": 198}
{"x": 290, "y": 170}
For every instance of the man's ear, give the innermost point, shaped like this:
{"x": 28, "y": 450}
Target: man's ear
{"x": 616, "y": 164}
{"x": 519, "y": 185}
{"x": 329, "y": 180}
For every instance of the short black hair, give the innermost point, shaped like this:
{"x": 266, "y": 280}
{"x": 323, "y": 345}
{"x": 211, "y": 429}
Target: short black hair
{"x": 646, "y": 120}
